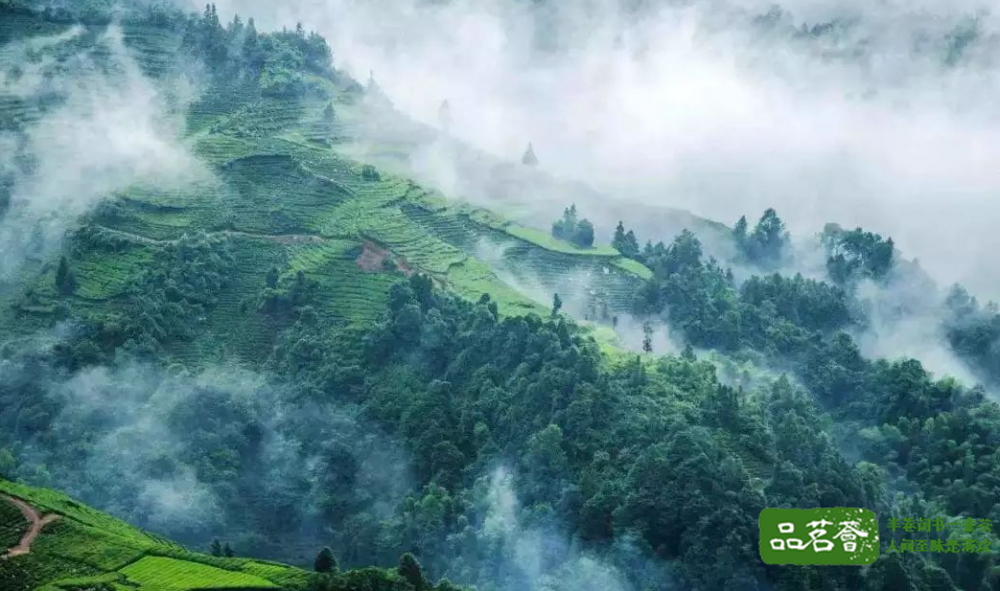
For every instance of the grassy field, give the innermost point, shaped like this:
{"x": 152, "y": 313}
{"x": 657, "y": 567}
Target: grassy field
{"x": 548, "y": 242}
{"x": 170, "y": 574}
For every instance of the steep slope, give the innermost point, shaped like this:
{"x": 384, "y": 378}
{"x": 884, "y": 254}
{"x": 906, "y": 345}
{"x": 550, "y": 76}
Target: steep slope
{"x": 280, "y": 191}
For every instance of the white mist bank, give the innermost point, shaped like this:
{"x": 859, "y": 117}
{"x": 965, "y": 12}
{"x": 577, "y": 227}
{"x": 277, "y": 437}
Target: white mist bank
{"x": 149, "y": 443}
{"x": 112, "y": 128}
{"x": 696, "y": 106}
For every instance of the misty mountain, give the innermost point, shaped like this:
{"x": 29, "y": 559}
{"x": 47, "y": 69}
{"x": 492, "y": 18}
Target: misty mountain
{"x": 290, "y": 288}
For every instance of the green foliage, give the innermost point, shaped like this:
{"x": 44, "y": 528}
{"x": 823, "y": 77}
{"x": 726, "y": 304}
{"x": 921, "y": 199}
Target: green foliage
{"x": 856, "y": 254}
{"x": 625, "y": 242}
{"x": 764, "y": 245}
{"x": 574, "y": 230}
{"x": 974, "y": 331}
{"x": 914, "y": 419}
{"x": 771, "y": 314}
{"x": 284, "y": 64}
{"x": 181, "y": 284}
{"x": 740, "y": 231}
{"x": 288, "y": 297}
{"x": 65, "y": 280}
{"x": 325, "y": 561}
{"x": 369, "y": 579}
{"x": 411, "y": 572}
{"x": 539, "y": 387}
{"x": 584, "y": 235}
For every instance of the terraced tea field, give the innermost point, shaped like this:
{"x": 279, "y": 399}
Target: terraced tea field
{"x": 286, "y": 195}
{"x": 85, "y": 548}
{"x": 169, "y": 574}
{"x": 13, "y": 525}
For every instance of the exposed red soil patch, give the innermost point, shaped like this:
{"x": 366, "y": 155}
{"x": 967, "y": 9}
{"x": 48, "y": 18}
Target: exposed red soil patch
{"x": 36, "y": 521}
{"x": 373, "y": 256}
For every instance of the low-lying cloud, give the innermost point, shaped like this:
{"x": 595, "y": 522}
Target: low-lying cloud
{"x": 525, "y": 556}
{"x": 109, "y": 127}
{"x": 723, "y": 107}
{"x": 221, "y": 452}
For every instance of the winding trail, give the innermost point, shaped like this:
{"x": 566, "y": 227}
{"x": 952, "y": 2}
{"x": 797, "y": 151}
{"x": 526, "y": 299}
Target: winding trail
{"x": 37, "y": 523}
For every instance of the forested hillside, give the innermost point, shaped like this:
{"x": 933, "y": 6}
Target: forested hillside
{"x": 230, "y": 318}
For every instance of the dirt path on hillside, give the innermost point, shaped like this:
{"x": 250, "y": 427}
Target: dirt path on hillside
{"x": 36, "y": 521}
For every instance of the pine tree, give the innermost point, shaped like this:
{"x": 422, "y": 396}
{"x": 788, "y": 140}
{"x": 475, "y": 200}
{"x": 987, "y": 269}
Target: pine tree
{"x": 647, "y": 337}
{"x": 567, "y": 227}
{"x": 769, "y": 237}
{"x": 227, "y": 550}
{"x": 688, "y": 353}
{"x": 325, "y": 561}
{"x": 631, "y": 245}
{"x": 216, "y": 547}
{"x": 61, "y": 273}
{"x": 213, "y": 43}
{"x": 584, "y": 234}
{"x": 65, "y": 279}
{"x": 619, "y": 238}
{"x": 647, "y": 251}
{"x": 529, "y": 158}
{"x": 235, "y": 31}
{"x": 625, "y": 242}
{"x": 740, "y": 230}
{"x": 252, "y": 54}
{"x": 328, "y": 112}
{"x": 556, "y": 304}
{"x": 569, "y": 215}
